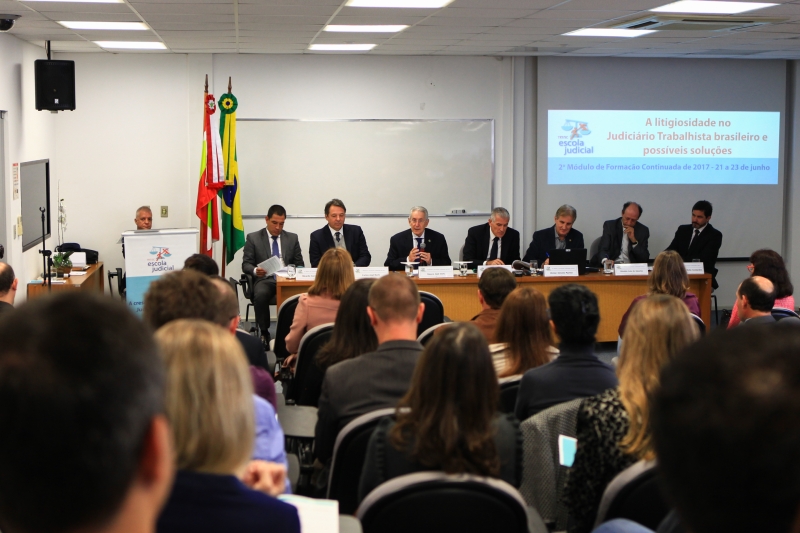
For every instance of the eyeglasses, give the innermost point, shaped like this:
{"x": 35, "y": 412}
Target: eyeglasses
{"x": 751, "y": 268}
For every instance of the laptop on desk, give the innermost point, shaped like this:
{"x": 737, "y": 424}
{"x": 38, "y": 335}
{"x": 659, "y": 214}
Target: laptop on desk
{"x": 575, "y": 256}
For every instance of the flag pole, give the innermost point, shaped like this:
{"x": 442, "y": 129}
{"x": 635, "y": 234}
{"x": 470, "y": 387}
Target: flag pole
{"x": 225, "y": 241}
{"x": 202, "y": 225}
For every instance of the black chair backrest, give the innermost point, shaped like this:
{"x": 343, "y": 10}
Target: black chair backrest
{"x": 434, "y": 311}
{"x": 426, "y": 336}
{"x": 283, "y": 325}
{"x": 640, "y": 500}
{"x": 700, "y": 324}
{"x": 508, "y": 395}
{"x": 312, "y": 341}
{"x": 246, "y": 281}
{"x": 348, "y": 459}
{"x": 779, "y": 313}
{"x": 438, "y": 502}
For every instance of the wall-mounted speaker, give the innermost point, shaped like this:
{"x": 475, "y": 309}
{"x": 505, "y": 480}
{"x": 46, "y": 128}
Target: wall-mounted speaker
{"x": 55, "y": 85}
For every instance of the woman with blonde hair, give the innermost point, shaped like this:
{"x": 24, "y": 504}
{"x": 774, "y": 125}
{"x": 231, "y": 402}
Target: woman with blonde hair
{"x": 524, "y": 337}
{"x": 320, "y": 304}
{"x": 668, "y": 277}
{"x": 209, "y": 405}
{"x": 613, "y": 427}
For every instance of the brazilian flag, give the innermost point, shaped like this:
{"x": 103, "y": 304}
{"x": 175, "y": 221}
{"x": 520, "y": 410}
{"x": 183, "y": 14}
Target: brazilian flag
{"x": 232, "y": 225}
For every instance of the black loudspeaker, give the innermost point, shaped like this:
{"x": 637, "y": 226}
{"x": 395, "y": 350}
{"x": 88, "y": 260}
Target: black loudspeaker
{"x": 55, "y": 85}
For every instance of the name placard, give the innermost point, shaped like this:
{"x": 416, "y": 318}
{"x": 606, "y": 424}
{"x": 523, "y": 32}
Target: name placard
{"x": 306, "y": 274}
{"x": 481, "y": 268}
{"x": 370, "y": 272}
{"x": 557, "y": 271}
{"x": 694, "y": 268}
{"x": 630, "y": 269}
{"x": 435, "y": 272}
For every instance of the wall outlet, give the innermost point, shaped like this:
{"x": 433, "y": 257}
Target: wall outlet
{"x": 19, "y": 226}
{"x": 164, "y": 211}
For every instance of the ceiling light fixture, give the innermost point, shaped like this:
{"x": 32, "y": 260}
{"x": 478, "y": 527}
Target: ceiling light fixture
{"x": 419, "y": 4}
{"x": 386, "y": 28}
{"x": 710, "y": 8}
{"x": 131, "y": 45}
{"x": 607, "y": 32}
{"x": 80, "y": 1}
{"x": 341, "y": 47}
{"x": 93, "y": 25}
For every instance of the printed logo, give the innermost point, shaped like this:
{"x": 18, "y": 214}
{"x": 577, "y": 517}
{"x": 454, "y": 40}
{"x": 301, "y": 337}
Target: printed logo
{"x": 159, "y": 252}
{"x": 576, "y": 128}
{"x": 573, "y": 143}
{"x": 159, "y": 263}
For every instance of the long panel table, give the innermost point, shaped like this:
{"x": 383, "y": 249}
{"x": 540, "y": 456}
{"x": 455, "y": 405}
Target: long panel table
{"x": 92, "y": 280}
{"x": 614, "y": 293}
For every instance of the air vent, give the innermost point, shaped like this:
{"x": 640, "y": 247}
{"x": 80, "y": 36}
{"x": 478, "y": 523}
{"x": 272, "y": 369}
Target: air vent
{"x": 695, "y": 23}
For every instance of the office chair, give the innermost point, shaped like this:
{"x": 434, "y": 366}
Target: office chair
{"x": 634, "y": 494}
{"x": 434, "y": 311}
{"x": 301, "y": 391}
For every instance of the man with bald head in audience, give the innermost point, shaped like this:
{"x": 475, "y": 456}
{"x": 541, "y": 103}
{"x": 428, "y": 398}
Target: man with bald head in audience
{"x": 378, "y": 379}
{"x": 8, "y": 288}
{"x": 755, "y": 298}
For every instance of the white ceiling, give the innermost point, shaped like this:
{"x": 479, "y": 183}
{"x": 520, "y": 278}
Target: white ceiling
{"x": 465, "y": 27}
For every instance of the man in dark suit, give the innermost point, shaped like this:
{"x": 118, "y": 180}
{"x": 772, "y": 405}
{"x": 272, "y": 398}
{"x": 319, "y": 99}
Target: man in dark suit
{"x": 260, "y": 246}
{"x": 493, "y": 243}
{"x": 560, "y": 235}
{"x": 699, "y": 240}
{"x": 624, "y": 239}
{"x": 378, "y": 379}
{"x": 8, "y": 288}
{"x": 417, "y": 243}
{"x": 337, "y": 234}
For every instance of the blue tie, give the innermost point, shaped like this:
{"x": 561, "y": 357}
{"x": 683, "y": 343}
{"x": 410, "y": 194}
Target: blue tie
{"x": 275, "y": 251}
{"x": 419, "y": 242}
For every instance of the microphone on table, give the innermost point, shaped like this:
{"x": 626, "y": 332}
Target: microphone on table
{"x": 520, "y": 265}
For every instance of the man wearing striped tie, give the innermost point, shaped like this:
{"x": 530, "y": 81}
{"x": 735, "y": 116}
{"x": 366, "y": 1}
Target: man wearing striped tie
{"x": 417, "y": 244}
{"x": 699, "y": 240}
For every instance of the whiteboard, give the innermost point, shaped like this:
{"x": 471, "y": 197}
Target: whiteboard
{"x": 376, "y": 167}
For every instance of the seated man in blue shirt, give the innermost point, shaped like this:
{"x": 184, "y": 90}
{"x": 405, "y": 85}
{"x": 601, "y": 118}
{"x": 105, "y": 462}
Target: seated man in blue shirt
{"x": 577, "y": 372}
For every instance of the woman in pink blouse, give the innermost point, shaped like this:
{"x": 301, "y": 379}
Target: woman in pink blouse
{"x": 769, "y": 264}
{"x": 320, "y": 303}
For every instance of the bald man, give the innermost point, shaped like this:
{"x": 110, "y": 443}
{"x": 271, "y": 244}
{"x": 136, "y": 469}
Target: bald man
{"x": 755, "y": 298}
{"x": 8, "y": 288}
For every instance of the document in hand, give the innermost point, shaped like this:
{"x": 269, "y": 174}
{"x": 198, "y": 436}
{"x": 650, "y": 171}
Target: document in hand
{"x": 319, "y": 516}
{"x": 271, "y": 265}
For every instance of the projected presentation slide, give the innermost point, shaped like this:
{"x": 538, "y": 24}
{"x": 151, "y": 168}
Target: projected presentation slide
{"x": 662, "y": 147}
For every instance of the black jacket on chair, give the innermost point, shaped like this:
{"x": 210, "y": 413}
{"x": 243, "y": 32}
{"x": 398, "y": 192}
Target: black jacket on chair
{"x": 544, "y": 240}
{"x": 704, "y": 247}
{"x": 476, "y": 246}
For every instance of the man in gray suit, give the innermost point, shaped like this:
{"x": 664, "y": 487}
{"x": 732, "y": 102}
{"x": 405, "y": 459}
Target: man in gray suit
{"x": 378, "y": 379}
{"x": 260, "y": 246}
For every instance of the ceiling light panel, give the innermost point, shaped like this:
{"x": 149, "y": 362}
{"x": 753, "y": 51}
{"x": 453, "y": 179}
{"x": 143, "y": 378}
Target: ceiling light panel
{"x": 407, "y": 4}
{"x": 710, "y": 8}
{"x": 130, "y": 45}
{"x": 96, "y": 25}
{"x": 366, "y": 28}
{"x": 341, "y": 47}
{"x": 607, "y": 32}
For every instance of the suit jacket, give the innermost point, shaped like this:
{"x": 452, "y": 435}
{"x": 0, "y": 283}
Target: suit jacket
{"x": 764, "y": 319}
{"x": 258, "y": 248}
{"x": 544, "y": 240}
{"x": 611, "y": 242}
{"x": 354, "y": 241}
{"x": 201, "y": 503}
{"x": 5, "y": 307}
{"x": 401, "y": 244}
{"x": 371, "y": 381}
{"x": 705, "y": 247}
{"x": 476, "y": 246}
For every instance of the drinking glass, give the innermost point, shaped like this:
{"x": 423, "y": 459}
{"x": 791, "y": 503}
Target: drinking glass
{"x": 463, "y": 268}
{"x": 409, "y": 270}
{"x": 608, "y": 266}
{"x": 534, "y": 268}
{"x": 291, "y": 271}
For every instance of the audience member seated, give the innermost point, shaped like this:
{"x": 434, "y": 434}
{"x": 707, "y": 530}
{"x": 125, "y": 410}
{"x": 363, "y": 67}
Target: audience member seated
{"x": 524, "y": 337}
{"x": 613, "y": 427}
{"x": 378, "y": 379}
{"x": 352, "y": 335}
{"x": 85, "y": 444}
{"x": 189, "y": 294}
{"x": 755, "y": 299}
{"x": 769, "y": 264}
{"x": 319, "y": 305}
{"x": 577, "y": 372}
{"x": 8, "y": 288}
{"x": 210, "y": 411}
{"x": 668, "y": 277}
{"x": 202, "y": 263}
{"x": 493, "y": 287}
{"x": 725, "y": 429}
{"x": 448, "y": 420}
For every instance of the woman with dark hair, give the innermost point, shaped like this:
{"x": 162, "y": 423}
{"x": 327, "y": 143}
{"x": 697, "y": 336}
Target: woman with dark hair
{"x": 524, "y": 338}
{"x": 352, "y": 335}
{"x": 668, "y": 277}
{"x": 448, "y": 420}
{"x": 769, "y": 264}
